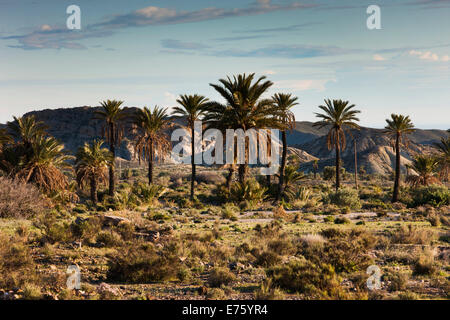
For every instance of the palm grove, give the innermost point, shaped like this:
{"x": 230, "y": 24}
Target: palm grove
{"x": 29, "y": 154}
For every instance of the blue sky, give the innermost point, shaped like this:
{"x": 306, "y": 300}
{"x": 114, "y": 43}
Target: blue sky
{"x": 148, "y": 52}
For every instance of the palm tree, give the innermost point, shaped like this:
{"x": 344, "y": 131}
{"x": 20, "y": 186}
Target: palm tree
{"x": 284, "y": 102}
{"x": 426, "y": 169}
{"x": 192, "y": 107}
{"x": 150, "y": 127}
{"x": 397, "y": 128}
{"x": 244, "y": 108}
{"x": 339, "y": 116}
{"x": 444, "y": 157}
{"x": 291, "y": 179}
{"x": 5, "y": 138}
{"x": 91, "y": 165}
{"x": 112, "y": 114}
{"x": 26, "y": 129}
{"x": 45, "y": 163}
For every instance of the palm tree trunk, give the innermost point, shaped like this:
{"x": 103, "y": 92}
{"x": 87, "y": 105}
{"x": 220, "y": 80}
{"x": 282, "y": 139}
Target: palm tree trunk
{"x": 111, "y": 173}
{"x": 243, "y": 169}
{"x": 397, "y": 169}
{"x": 283, "y": 165}
{"x": 150, "y": 165}
{"x": 356, "y": 166}
{"x": 112, "y": 148}
{"x": 192, "y": 163}
{"x": 229, "y": 177}
{"x": 338, "y": 165}
{"x": 94, "y": 190}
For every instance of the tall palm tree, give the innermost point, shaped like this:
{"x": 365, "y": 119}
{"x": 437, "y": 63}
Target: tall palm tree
{"x": 426, "y": 169}
{"x": 444, "y": 157}
{"x": 397, "y": 128}
{"x": 112, "y": 114}
{"x": 150, "y": 128}
{"x": 91, "y": 165}
{"x": 283, "y": 103}
{"x": 192, "y": 107}
{"x": 45, "y": 163}
{"x": 244, "y": 108}
{"x": 339, "y": 116}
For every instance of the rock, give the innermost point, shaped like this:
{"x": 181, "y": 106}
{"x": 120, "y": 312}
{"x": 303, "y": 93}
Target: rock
{"x": 152, "y": 236}
{"x": 105, "y": 289}
{"x": 114, "y": 220}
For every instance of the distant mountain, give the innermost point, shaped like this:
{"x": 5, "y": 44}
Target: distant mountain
{"x": 374, "y": 150}
{"x": 74, "y": 126}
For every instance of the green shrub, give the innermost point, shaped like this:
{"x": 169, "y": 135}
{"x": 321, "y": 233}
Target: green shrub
{"x": 250, "y": 191}
{"x": 344, "y": 197}
{"x": 434, "y": 195}
{"x": 329, "y": 172}
{"x": 147, "y": 193}
{"x": 316, "y": 281}
{"x": 267, "y": 259}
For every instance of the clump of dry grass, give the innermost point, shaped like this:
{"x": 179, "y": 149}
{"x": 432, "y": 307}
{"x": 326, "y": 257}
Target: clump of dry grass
{"x": 413, "y": 235}
{"x": 19, "y": 199}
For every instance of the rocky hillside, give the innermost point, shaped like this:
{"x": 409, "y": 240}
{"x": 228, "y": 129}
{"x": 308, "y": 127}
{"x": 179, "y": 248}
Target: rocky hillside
{"x": 74, "y": 126}
{"x": 373, "y": 147}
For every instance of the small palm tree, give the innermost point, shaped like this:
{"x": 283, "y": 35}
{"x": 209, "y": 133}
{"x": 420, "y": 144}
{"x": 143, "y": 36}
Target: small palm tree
{"x": 192, "y": 107}
{"x": 112, "y": 114}
{"x": 444, "y": 157}
{"x": 339, "y": 116}
{"x": 26, "y": 129}
{"x": 150, "y": 128}
{"x": 426, "y": 169}
{"x": 91, "y": 165}
{"x": 244, "y": 108}
{"x": 283, "y": 103}
{"x": 45, "y": 163}
{"x": 5, "y": 138}
{"x": 397, "y": 128}
{"x": 292, "y": 178}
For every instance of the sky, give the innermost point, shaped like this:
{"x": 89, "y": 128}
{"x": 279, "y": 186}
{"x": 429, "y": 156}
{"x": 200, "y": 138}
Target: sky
{"x": 149, "y": 52}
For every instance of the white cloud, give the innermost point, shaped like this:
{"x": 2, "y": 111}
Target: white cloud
{"x": 269, "y": 72}
{"x": 303, "y": 85}
{"x": 428, "y": 55}
{"x": 378, "y": 57}
{"x": 170, "y": 99}
{"x": 46, "y": 27}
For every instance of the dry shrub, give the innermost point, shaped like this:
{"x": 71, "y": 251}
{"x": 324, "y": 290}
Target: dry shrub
{"x": 19, "y": 200}
{"x": 267, "y": 291}
{"x": 144, "y": 263}
{"x": 16, "y": 264}
{"x": 279, "y": 213}
{"x": 425, "y": 264}
{"x": 315, "y": 281}
{"x": 219, "y": 277}
{"x": 345, "y": 250}
{"x": 413, "y": 235}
